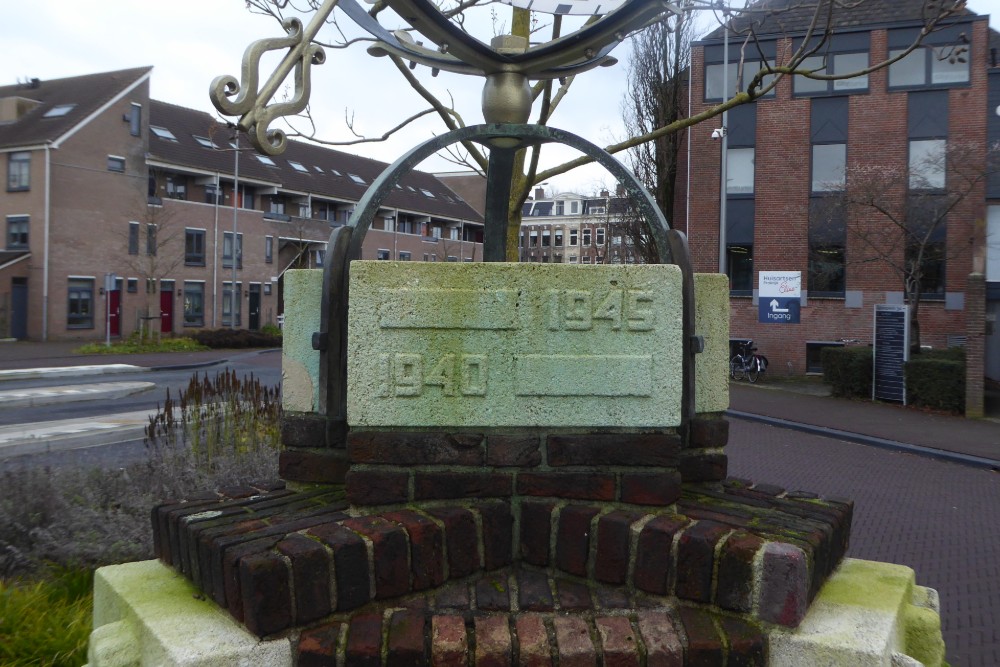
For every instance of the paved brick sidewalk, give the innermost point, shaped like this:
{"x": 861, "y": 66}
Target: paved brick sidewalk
{"x": 974, "y": 437}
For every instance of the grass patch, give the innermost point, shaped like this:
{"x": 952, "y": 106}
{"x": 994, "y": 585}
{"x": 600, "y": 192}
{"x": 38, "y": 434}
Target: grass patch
{"x": 136, "y": 346}
{"x": 46, "y": 622}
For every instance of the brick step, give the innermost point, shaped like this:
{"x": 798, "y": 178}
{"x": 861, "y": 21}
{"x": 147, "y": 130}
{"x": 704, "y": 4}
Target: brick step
{"x": 665, "y": 637}
{"x": 280, "y": 559}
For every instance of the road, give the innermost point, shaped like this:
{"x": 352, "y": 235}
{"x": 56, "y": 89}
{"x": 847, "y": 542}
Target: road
{"x": 264, "y": 365}
{"x": 939, "y": 518}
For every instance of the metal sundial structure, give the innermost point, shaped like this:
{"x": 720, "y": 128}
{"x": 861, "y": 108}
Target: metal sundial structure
{"x": 508, "y": 63}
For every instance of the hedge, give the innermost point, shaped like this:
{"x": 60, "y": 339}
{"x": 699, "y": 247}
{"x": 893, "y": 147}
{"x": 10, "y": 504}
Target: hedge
{"x": 936, "y": 379}
{"x": 848, "y": 370}
{"x": 235, "y": 338}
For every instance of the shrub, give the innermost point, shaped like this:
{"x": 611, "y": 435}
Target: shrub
{"x": 221, "y": 432}
{"x": 936, "y": 379}
{"x": 236, "y": 338}
{"x": 271, "y": 330}
{"x": 848, "y": 370}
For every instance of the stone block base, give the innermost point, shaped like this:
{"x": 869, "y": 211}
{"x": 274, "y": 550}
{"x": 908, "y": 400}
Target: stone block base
{"x": 867, "y": 615}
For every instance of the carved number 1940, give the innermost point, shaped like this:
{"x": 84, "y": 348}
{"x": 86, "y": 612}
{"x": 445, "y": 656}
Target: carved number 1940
{"x": 407, "y": 374}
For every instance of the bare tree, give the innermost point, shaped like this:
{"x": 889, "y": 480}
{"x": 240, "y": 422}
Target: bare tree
{"x": 656, "y": 98}
{"x": 898, "y": 217}
{"x": 154, "y": 247}
{"x": 757, "y": 74}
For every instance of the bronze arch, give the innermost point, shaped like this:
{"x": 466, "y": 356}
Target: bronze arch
{"x": 503, "y": 141}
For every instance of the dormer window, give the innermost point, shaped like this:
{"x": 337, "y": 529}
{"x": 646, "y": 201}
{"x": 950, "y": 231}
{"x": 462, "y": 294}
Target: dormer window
{"x": 59, "y": 111}
{"x": 163, "y": 133}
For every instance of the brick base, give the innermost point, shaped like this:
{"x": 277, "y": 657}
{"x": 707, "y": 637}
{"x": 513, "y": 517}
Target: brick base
{"x": 282, "y": 559}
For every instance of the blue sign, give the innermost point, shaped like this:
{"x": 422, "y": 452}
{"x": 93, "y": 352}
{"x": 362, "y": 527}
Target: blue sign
{"x": 778, "y": 310}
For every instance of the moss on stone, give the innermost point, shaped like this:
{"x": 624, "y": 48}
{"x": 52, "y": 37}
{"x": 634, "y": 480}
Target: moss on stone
{"x": 922, "y": 635}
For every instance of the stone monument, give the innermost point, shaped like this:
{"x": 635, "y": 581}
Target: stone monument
{"x": 498, "y": 464}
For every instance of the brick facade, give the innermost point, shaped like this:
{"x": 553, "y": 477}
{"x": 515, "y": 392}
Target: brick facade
{"x": 877, "y": 138}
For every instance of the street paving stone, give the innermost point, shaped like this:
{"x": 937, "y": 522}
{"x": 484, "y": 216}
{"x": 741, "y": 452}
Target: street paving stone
{"x": 942, "y": 519}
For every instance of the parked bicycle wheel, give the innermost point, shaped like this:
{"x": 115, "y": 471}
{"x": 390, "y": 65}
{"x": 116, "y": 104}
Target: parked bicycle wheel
{"x": 737, "y": 369}
{"x": 753, "y": 370}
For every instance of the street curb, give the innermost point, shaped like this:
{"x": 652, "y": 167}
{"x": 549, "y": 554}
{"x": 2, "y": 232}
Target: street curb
{"x": 870, "y": 440}
{"x": 205, "y": 364}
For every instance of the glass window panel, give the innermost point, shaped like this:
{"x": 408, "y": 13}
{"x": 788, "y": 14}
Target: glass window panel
{"x": 927, "y": 164}
{"x": 802, "y": 84}
{"x": 845, "y": 63}
{"x": 944, "y": 71}
{"x": 713, "y": 81}
{"x": 739, "y": 171}
{"x": 910, "y": 71}
{"x": 829, "y": 168}
{"x": 739, "y": 260}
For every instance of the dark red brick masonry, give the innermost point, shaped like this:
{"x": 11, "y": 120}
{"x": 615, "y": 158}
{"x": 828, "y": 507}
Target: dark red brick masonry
{"x": 278, "y": 559}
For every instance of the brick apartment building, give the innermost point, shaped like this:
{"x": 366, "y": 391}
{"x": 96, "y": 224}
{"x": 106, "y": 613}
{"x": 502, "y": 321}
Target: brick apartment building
{"x": 103, "y": 180}
{"x": 804, "y": 142}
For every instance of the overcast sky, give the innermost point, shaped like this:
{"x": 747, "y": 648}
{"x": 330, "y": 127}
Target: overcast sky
{"x": 190, "y": 42}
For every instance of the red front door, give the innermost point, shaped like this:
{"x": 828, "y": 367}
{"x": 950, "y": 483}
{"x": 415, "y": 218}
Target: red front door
{"x": 166, "y": 310}
{"x": 114, "y": 312}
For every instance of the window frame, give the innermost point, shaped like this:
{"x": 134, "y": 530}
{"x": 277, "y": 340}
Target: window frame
{"x": 740, "y": 151}
{"x": 19, "y": 165}
{"x": 194, "y": 257}
{"x": 227, "y": 258}
{"x": 194, "y": 316}
{"x": 80, "y": 290}
{"x": 22, "y": 223}
{"x": 116, "y": 164}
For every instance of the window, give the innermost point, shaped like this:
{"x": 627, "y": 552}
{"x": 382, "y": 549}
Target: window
{"x": 574, "y": 237}
{"x": 360, "y": 181}
{"x": 560, "y": 207}
{"x": 116, "y": 163}
{"x": 827, "y": 241}
{"x": 133, "y": 238}
{"x": 452, "y": 258}
{"x": 586, "y": 236}
{"x": 80, "y": 304}
{"x": 227, "y": 250}
{"x": 546, "y": 238}
{"x": 739, "y": 266}
{"x": 740, "y": 171}
{"x": 133, "y": 285}
{"x": 276, "y": 205}
{"x": 760, "y": 56}
{"x": 213, "y": 195}
{"x": 740, "y": 215}
{"x": 829, "y": 167}
{"x": 382, "y": 253}
{"x": 231, "y": 305}
{"x": 265, "y": 160}
{"x": 835, "y": 64}
{"x": 574, "y": 207}
{"x": 267, "y": 289}
{"x": 559, "y": 238}
{"x": 616, "y": 240}
{"x": 59, "y": 111}
{"x": 176, "y": 187}
{"x": 151, "y": 240}
{"x": 298, "y": 166}
{"x": 927, "y": 164}
{"x": 572, "y": 259}
{"x": 204, "y": 141}
{"x": 533, "y": 238}
{"x": 194, "y": 304}
{"x": 405, "y": 256}
{"x": 19, "y": 171}
{"x": 942, "y": 59}
{"x": 600, "y": 236}
{"x": 927, "y": 226}
{"x": 194, "y": 247}
{"x": 17, "y": 232}
{"x": 163, "y": 133}
{"x": 427, "y": 193}
{"x": 268, "y": 249}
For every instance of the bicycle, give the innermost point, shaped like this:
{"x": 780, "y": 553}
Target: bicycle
{"x": 747, "y": 363}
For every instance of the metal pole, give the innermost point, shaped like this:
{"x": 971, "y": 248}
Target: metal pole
{"x": 236, "y": 208}
{"x": 724, "y": 170}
